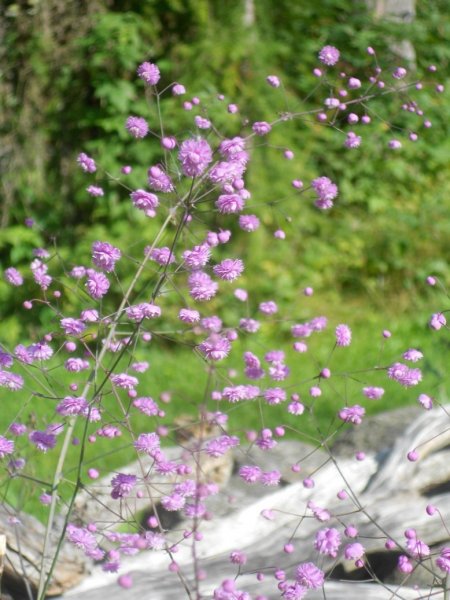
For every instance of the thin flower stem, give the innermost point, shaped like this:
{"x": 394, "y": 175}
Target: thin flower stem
{"x": 71, "y": 427}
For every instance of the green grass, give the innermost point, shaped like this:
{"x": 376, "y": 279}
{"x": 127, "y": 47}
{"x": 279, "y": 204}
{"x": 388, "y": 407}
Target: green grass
{"x": 182, "y": 372}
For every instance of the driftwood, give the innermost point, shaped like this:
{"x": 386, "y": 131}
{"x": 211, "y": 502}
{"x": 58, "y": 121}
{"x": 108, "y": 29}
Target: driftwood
{"x": 387, "y": 494}
{"x": 24, "y": 540}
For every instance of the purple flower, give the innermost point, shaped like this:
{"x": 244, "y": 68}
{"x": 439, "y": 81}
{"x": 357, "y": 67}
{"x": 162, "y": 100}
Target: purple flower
{"x": 261, "y": 127}
{"x": 352, "y": 140}
{"x": 412, "y": 355}
{"x": 343, "y": 335}
{"x": 78, "y": 272}
{"x": 147, "y": 406}
{"x": 268, "y": 308}
{"x": 82, "y": 538}
{"x": 321, "y": 514}
{"x": 17, "y": 428}
{"x": 250, "y": 473}
{"x": 399, "y": 73}
{"x": 197, "y": 258}
{"x": 39, "y": 270}
{"x": 140, "y": 366}
{"x": 105, "y": 256}
{"x": 326, "y": 191}
{"x": 327, "y": 541}
{"x": 278, "y": 371}
{"x": 137, "y": 126}
{"x": 241, "y": 294}
{"x": 95, "y": 191}
{"x": 404, "y": 565}
{"x": 86, "y": 163}
{"x": 310, "y": 576}
{"x": 40, "y": 351}
{"x": 202, "y": 123}
{"x": 201, "y": 287}
{"x": 231, "y": 149}
{"x": 354, "y": 551}
{"x": 417, "y": 548}
{"x": 238, "y": 558}
{"x": 41, "y": 253}
{"x": 148, "y": 443}
{"x": 437, "y": 321}
{"x": 249, "y": 222}
{"x": 178, "y": 89}
{"x": 213, "y": 324}
{"x": 195, "y": 156}
{"x": 220, "y": 445}
{"x": 173, "y": 502}
{"x": 89, "y": 315}
{"x": 215, "y": 347}
{"x": 13, "y": 276}
{"x": 23, "y": 354}
{"x": 237, "y": 393}
{"x": 72, "y": 326}
{"x": 443, "y": 562}
{"x": 169, "y": 143}
{"x": 145, "y": 310}
{"x": 122, "y": 485}
{"x": 329, "y": 55}
{"x": 230, "y": 203}
{"x": 229, "y": 269}
{"x": 296, "y": 408}
{"x": 6, "y": 446}
{"x": 274, "y": 395}
{"x": 145, "y": 201}
{"x": 227, "y": 171}
{"x": 249, "y": 325}
{"x": 265, "y": 440}
{"x": 159, "y": 181}
{"x": 273, "y": 81}
{"x": 11, "y": 381}
{"x": 294, "y": 592}
{"x": 253, "y": 368}
{"x": 374, "y": 393}
{"x": 109, "y": 431}
{"x": 354, "y": 83}
{"x": 394, "y": 144}
{"x": 318, "y": 323}
{"x": 270, "y": 477}
{"x": 404, "y": 375}
{"x": 186, "y": 488}
{"x": 42, "y": 440}
{"x": 301, "y": 330}
{"x": 97, "y": 284}
{"x": 124, "y": 381}
{"x": 149, "y": 73}
{"x": 189, "y": 316}
{"x": 72, "y": 405}
{"x": 162, "y": 256}
{"x": 352, "y": 414}
{"x": 425, "y": 401}
{"x": 274, "y": 356}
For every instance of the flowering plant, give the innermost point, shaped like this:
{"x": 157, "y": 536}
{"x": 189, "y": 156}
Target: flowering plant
{"x": 174, "y": 294}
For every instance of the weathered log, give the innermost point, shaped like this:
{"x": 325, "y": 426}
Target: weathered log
{"x": 24, "y": 536}
{"x": 380, "y": 489}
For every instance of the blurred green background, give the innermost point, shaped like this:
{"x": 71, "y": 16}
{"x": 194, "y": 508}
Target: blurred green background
{"x": 67, "y": 84}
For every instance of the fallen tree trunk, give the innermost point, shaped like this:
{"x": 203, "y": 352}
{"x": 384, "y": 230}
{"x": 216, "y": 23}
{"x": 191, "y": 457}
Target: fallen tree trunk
{"x": 386, "y": 494}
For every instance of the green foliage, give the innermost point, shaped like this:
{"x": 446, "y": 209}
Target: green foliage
{"x": 68, "y": 87}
